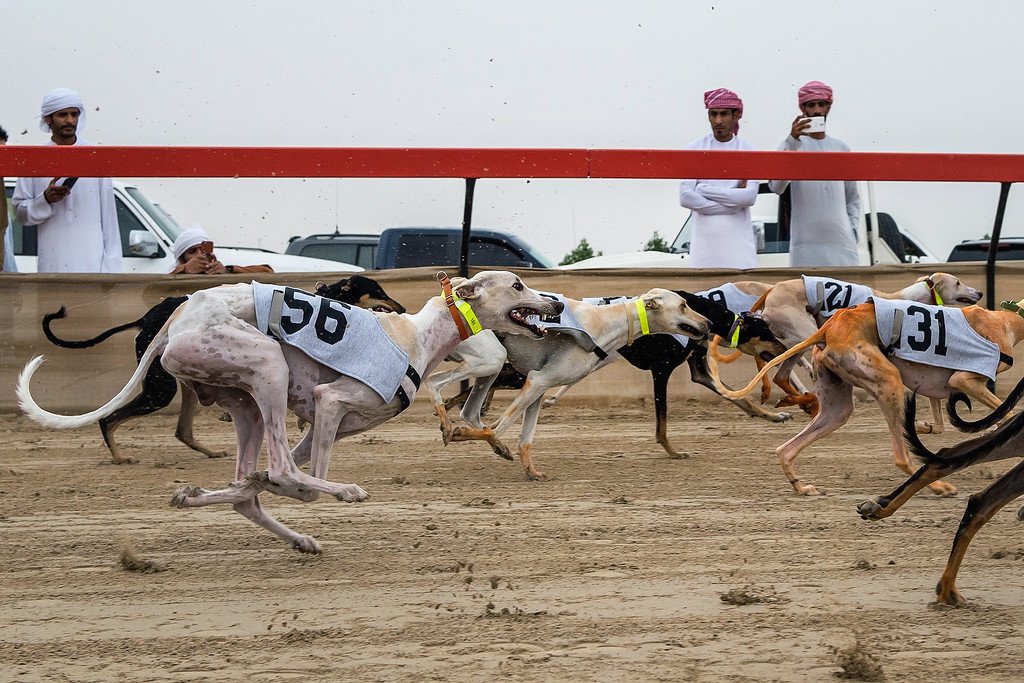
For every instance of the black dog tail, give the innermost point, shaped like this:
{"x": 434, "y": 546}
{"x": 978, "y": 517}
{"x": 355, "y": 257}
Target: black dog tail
{"x": 964, "y": 453}
{"x": 86, "y": 343}
{"x": 984, "y": 423}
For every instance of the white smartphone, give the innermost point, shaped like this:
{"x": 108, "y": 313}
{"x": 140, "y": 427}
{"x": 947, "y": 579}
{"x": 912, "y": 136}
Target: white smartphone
{"x": 817, "y": 125}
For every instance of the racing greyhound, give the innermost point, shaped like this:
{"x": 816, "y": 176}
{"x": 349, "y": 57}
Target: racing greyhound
{"x": 159, "y": 387}
{"x": 851, "y": 352}
{"x": 559, "y": 360}
{"x": 213, "y": 343}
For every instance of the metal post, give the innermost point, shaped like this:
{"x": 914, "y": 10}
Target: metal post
{"x": 467, "y": 226}
{"x": 993, "y": 248}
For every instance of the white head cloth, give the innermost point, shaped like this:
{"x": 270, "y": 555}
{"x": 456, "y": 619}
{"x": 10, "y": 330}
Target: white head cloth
{"x": 57, "y": 99}
{"x": 188, "y": 239}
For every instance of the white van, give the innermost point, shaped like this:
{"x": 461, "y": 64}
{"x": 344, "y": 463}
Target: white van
{"x": 147, "y": 233}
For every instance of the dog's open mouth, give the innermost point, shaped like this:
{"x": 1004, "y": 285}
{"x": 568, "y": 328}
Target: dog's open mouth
{"x": 968, "y": 300}
{"x": 692, "y": 331}
{"x": 381, "y": 308}
{"x": 518, "y": 316}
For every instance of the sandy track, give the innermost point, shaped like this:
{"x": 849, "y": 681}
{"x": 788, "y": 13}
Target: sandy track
{"x": 460, "y": 569}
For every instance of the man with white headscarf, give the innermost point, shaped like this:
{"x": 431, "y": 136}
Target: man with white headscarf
{"x": 722, "y": 235}
{"x": 825, "y": 213}
{"x": 193, "y": 255}
{"x": 76, "y": 222}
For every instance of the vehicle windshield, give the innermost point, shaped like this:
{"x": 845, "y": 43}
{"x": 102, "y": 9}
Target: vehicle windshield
{"x": 167, "y": 224}
{"x": 537, "y": 256}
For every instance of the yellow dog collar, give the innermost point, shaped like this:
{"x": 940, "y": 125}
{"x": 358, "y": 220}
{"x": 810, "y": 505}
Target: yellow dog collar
{"x": 734, "y": 338}
{"x": 467, "y": 312}
{"x": 641, "y": 313}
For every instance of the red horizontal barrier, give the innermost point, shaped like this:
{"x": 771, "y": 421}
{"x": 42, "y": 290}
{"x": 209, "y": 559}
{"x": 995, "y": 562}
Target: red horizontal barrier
{"x": 424, "y": 162}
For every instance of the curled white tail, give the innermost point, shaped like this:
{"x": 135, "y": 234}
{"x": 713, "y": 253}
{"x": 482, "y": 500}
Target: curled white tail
{"x": 55, "y": 421}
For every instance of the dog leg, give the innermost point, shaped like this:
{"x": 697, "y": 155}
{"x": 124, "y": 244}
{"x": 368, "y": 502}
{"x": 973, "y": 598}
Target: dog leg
{"x": 186, "y": 417}
{"x": 252, "y": 510}
{"x": 158, "y": 389}
{"x": 889, "y": 394}
{"x": 557, "y": 396}
{"x": 836, "y": 400}
{"x": 659, "y": 376}
{"x": 530, "y": 417}
{"x": 530, "y": 392}
{"x": 937, "y": 426}
{"x": 980, "y": 508}
{"x": 472, "y": 410}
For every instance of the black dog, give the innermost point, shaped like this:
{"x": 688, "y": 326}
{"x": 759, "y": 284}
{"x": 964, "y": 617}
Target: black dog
{"x": 661, "y": 354}
{"x": 159, "y": 387}
{"x": 1007, "y": 441}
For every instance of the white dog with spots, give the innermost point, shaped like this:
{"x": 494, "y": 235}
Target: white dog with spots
{"x": 212, "y": 344}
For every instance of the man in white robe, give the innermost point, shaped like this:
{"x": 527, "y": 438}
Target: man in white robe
{"x": 722, "y": 235}
{"x": 77, "y": 229}
{"x": 826, "y": 213}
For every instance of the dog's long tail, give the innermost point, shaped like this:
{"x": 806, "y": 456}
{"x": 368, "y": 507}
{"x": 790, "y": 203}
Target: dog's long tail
{"x": 1006, "y": 440}
{"x": 815, "y": 338}
{"x": 55, "y": 421}
{"x": 759, "y": 304}
{"x": 85, "y": 343}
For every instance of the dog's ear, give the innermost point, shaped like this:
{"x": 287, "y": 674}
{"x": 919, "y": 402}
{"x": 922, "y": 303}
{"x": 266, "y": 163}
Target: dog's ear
{"x": 466, "y": 289}
{"x": 652, "y": 302}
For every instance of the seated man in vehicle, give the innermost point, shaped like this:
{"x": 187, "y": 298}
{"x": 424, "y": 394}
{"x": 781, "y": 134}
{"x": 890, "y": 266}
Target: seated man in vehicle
{"x": 194, "y": 253}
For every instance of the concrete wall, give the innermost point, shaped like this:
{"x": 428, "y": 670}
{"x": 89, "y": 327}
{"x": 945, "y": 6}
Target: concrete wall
{"x": 80, "y": 380}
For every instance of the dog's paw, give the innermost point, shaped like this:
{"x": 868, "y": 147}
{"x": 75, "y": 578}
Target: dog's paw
{"x": 351, "y": 493}
{"x": 501, "y": 450}
{"x": 869, "y": 509}
{"x": 536, "y": 475}
{"x": 779, "y": 418}
{"x": 305, "y": 544}
{"x": 941, "y": 488}
{"x": 179, "y": 498}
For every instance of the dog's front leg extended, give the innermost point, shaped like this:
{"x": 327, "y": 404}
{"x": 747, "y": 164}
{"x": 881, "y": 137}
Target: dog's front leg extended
{"x": 530, "y": 392}
{"x": 530, "y": 417}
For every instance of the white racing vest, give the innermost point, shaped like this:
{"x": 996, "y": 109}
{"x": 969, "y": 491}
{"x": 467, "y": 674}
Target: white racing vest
{"x": 826, "y": 295}
{"x": 343, "y": 337}
{"x": 566, "y": 323}
{"x": 934, "y": 335}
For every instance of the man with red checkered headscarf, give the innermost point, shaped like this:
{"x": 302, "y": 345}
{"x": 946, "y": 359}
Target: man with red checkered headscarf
{"x": 825, "y": 213}
{"x": 721, "y": 235}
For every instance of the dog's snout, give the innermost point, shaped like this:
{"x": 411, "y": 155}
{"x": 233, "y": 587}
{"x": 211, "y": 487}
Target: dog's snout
{"x": 558, "y": 307}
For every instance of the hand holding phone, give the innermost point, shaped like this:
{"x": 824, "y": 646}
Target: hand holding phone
{"x": 68, "y": 182}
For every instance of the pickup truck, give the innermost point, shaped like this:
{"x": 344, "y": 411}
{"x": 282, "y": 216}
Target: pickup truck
{"x": 147, "y": 233}
{"x": 771, "y": 233}
{"x": 1007, "y": 249}
{"x": 409, "y": 247}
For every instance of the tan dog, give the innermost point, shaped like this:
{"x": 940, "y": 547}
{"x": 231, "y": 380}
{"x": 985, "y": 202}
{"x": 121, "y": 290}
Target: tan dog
{"x": 850, "y": 354}
{"x": 553, "y": 361}
{"x": 792, "y": 319}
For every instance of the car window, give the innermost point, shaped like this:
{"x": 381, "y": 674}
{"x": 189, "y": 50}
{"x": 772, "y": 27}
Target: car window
{"x": 126, "y": 222}
{"x": 484, "y": 252}
{"x": 423, "y": 250}
{"x": 362, "y": 255}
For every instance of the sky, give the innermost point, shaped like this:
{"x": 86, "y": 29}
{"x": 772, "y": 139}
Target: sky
{"x": 912, "y": 76}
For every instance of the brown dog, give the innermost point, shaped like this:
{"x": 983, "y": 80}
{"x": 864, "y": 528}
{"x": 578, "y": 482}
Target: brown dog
{"x": 850, "y": 353}
{"x": 792, "y": 317}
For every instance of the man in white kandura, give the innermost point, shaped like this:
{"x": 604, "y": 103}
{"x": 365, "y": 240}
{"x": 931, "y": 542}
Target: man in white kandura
{"x": 76, "y": 219}
{"x": 825, "y": 215}
{"x": 722, "y": 235}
